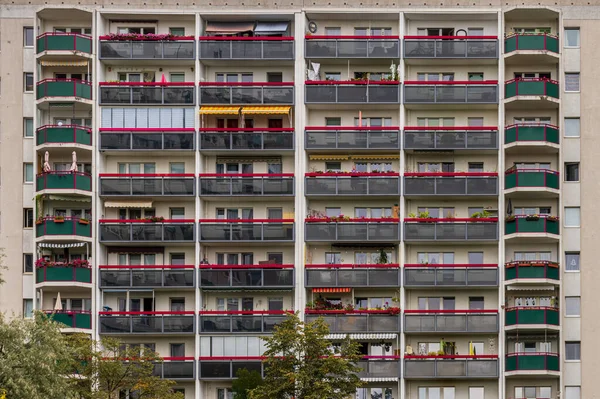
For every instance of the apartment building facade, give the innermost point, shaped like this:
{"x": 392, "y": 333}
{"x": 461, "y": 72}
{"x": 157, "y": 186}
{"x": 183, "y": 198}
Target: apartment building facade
{"x": 410, "y": 174}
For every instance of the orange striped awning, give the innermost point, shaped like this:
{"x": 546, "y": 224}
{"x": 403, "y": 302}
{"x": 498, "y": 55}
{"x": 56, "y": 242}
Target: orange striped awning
{"x": 219, "y": 110}
{"x": 273, "y": 110}
{"x": 331, "y": 290}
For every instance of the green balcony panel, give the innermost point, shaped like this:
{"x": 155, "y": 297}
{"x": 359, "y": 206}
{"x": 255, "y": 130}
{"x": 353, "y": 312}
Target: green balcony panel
{"x": 73, "y": 320}
{"x": 63, "y": 135}
{"x": 535, "y": 133}
{"x": 515, "y": 178}
{"x": 531, "y": 87}
{"x": 64, "y": 42}
{"x": 63, "y": 181}
{"x": 63, "y": 88}
{"x": 531, "y": 43}
{"x": 75, "y": 274}
{"x": 512, "y": 272}
{"x": 68, "y": 227}
{"x": 520, "y": 316}
{"x": 529, "y": 362}
{"x": 522, "y": 225}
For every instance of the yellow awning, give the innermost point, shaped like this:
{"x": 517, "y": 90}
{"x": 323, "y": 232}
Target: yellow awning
{"x": 266, "y": 110}
{"x": 128, "y": 204}
{"x": 64, "y": 63}
{"x": 219, "y": 110}
{"x": 329, "y": 157}
{"x": 375, "y": 157}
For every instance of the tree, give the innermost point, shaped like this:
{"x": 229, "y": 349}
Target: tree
{"x": 245, "y": 382}
{"x": 300, "y": 363}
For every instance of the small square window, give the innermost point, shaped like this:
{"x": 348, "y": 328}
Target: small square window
{"x": 573, "y": 392}
{"x": 476, "y": 258}
{"x": 572, "y": 306}
{"x": 571, "y": 37}
{"x": 28, "y": 81}
{"x": 572, "y": 127}
{"x": 27, "y": 127}
{"x": 572, "y": 82}
{"x": 177, "y": 77}
{"x": 333, "y": 166}
{"x": 571, "y": 171}
{"x": 572, "y": 261}
{"x": 476, "y": 167}
{"x": 28, "y": 217}
{"x": 572, "y": 216}
{"x": 28, "y": 36}
{"x": 573, "y": 350}
{"x": 176, "y": 167}
{"x": 28, "y": 172}
{"x": 177, "y": 213}
{"x": 475, "y": 76}
{"x": 27, "y": 308}
{"x": 333, "y": 76}
{"x": 333, "y": 121}
{"x": 476, "y": 303}
{"x": 475, "y": 121}
{"x": 27, "y": 263}
{"x": 177, "y": 31}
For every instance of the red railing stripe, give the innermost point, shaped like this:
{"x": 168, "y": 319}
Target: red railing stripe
{"x": 451, "y": 82}
{"x": 352, "y": 82}
{"x": 246, "y": 38}
{"x": 234, "y": 84}
{"x": 234, "y": 267}
{"x": 352, "y": 266}
{"x": 329, "y": 220}
{"x": 145, "y": 221}
{"x": 146, "y": 129}
{"x": 449, "y": 265}
{"x": 351, "y": 174}
{"x": 450, "y": 174}
{"x": 456, "y": 311}
{"x": 146, "y": 84}
{"x": 146, "y": 175}
{"x": 451, "y": 219}
{"x": 353, "y": 128}
{"x": 234, "y": 175}
{"x": 243, "y": 130}
{"x": 155, "y": 313}
{"x": 350, "y": 37}
{"x": 451, "y": 37}
{"x": 146, "y": 266}
{"x": 450, "y": 128}
{"x": 246, "y": 220}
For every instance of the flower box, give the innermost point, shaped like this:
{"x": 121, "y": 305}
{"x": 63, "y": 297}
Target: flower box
{"x": 84, "y": 221}
{"x": 59, "y": 219}
{"x": 146, "y": 37}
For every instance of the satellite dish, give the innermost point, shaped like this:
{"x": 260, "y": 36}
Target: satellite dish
{"x": 312, "y": 27}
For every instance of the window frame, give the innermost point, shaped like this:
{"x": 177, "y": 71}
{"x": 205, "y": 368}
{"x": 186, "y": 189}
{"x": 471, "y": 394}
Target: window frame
{"x": 25, "y": 167}
{"x": 26, "y": 122}
{"x": 28, "y": 218}
{"x": 576, "y": 298}
{"x": 27, "y": 256}
{"x": 25, "y": 85}
{"x": 25, "y": 30}
{"x": 576, "y": 351}
{"x": 566, "y": 173}
{"x": 566, "y": 41}
{"x": 578, "y": 127}
{"x": 578, "y": 224}
{"x": 578, "y": 82}
{"x": 574, "y": 254}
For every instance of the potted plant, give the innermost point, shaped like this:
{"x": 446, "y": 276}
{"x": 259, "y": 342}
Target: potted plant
{"x": 532, "y": 218}
{"x": 552, "y": 218}
{"x": 383, "y": 258}
{"x": 39, "y": 220}
{"x": 510, "y": 218}
{"x": 59, "y": 219}
{"x": 156, "y": 219}
{"x": 84, "y": 221}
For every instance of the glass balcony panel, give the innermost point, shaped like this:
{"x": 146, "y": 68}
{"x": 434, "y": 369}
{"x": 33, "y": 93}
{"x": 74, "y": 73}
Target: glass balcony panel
{"x": 380, "y": 277}
{"x": 178, "y": 278}
{"x": 321, "y": 48}
{"x": 215, "y": 278}
{"x": 249, "y": 324}
{"x": 379, "y": 368}
{"x": 178, "y": 324}
{"x": 278, "y": 278}
{"x": 352, "y": 277}
{"x": 146, "y": 232}
{"x": 146, "y": 324}
{"x": 419, "y": 368}
{"x": 178, "y": 370}
{"x": 246, "y": 278}
{"x": 217, "y": 324}
{"x": 115, "y": 324}
{"x": 151, "y": 141}
{"x": 179, "y": 232}
{"x": 321, "y": 278}
{"x": 215, "y": 369}
{"x": 115, "y": 141}
{"x": 179, "y": 141}
{"x": 178, "y": 50}
{"x": 419, "y": 276}
{"x": 146, "y": 278}
{"x": 146, "y": 186}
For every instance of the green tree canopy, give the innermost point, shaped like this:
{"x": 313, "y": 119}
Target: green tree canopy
{"x": 246, "y": 381}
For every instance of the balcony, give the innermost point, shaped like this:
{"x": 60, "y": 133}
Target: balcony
{"x": 451, "y": 230}
{"x": 532, "y": 363}
{"x": 355, "y": 138}
{"x": 542, "y": 226}
{"x": 247, "y": 139}
{"x": 352, "y": 230}
{"x": 532, "y": 134}
{"x": 247, "y": 93}
{"x": 136, "y": 184}
{"x": 525, "y": 181}
{"x": 247, "y": 230}
{"x": 63, "y": 273}
{"x": 226, "y": 368}
{"x": 57, "y": 228}
{"x": 246, "y": 277}
{"x": 369, "y": 47}
{"x": 531, "y": 93}
{"x": 450, "y": 275}
{"x": 379, "y": 367}
{"x": 244, "y": 322}
{"x": 450, "y": 184}
{"x": 450, "y": 367}
{"x": 54, "y": 45}
{"x": 247, "y": 184}
{"x": 70, "y": 90}
{"x": 179, "y": 48}
{"x": 421, "y": 94}
{"x": 154, "y": 276}
{"x": 531, "y": 317}
{"x": 538, "y": 47}
{"x": 81, "y": 319}
{"x": 529, "y": 271}
{"x": 354, "y": 276}
{"x": 332, "y": 184}
{"x": 450, "y": 138}
{"x": 451, "y": 321}
{"x": 142, "y": 231}
{"x": 246, "y": 48}
{"x": 63, "y": 134}
{"x": 147, "y": 322}
{"x": 352, "y": 92}
{"x": 149, "y": 139}
{"x": 176, "y": 368}
{"x": 141, "y": 93}
{"x": 59, "y": 180}
{"x": 471, "y": 48}
{"x": 357, "y": 321}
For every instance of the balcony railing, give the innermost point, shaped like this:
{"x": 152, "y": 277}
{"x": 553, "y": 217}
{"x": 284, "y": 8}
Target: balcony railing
{"x": 53, "y": 88}
{"x": 181, "y": 49}
{"x": 531, "y": 133}
{"x": 63, "y": 180}
{"x": 247, "y": 93}
{"x": 467, "y": 183}
{"x": 149, "y": 139}
{"x": 451, "y": 92}
{"x": 67, "y": 226}
{"x": 346, "y": 275}
{"x": 451, "y": 321}
{"x": 370, "y": 184}
{"x": 50, "y": 274}
{"x": 458, "y": 366}
{"x": 471, "y": 229}
{"x": 246, "y": 139}
{"x": 531, "y": 270}
{"x": 240, "y": 321}
{"x": 71, "y": 42}
{"x": 246, "y": 48}
{"x": 531, "y": 42}
{"x": 71, "y": 318}
{"x": 147, "y": 322}
{"x": 155, "y": 276}
{"x": 139, "y": 93}
{"x": 385, "y": 229}
{"x": 63, "y": 134}
{"x": 352, "y": 138}
{"x": 379, "y": 367}
{"x": 246, "y": 230}
{"x": 137, "y": 184}
{"x": 450, "y": 138}
{"x": 176, "y": 230}
{"x": 176, "y": 368}
{"x": 352, "y": 47}
{"x": 468, "y": 47}
{"x": 246, "y": 184}
{"x": 526, "y": 178}
{"x": 340, "y": 321}
{"x": 226, "y": 367}
{"x": 543, "y": 361}
{"x": 247, "y": 276}
{"x": 531, "y": 87}
{"x": 527, "y": 224}
{"x": 352, "y": 92}
{"x": 450, "y": 275}
{"x": 521, "y": 316}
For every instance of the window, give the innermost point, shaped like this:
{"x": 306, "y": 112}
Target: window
{"x": 333, "y": 121}
{"x": 378, "y": 122}
{"x": 372, "y": 166}
{"x": 234, "y": 77}
{"x": 475, "y": 121}
{"x": 27, "y": 308}
{"x": 533, "y": 256}
{"x": 434, "y": 122}
{"x": 571, "y": 171}
{"x": 177, "y": 259}
{"x": 28, "y": 36}
{"x": 435, "y": 167}
{"x": 572, "y": 306}
{"x": 276, "y": 303}
{"x": 533, "y": 30}
{"x": 333, "y": 76}
{"x": 572, "y": 127}
{"x": 571, "y": 37}
{"x": 434, "y": 258}
{"x": 572, "y": 261}
{"x": 475, "y": 258}
{"x": 28, "y": 172}
{"x": 224, "y": 393}
{"x": 475, "y": 32}
{"x": 333, "y": 166}
{"x": 177, "y": 350}
{"x": 274, "y": 77}
{"x": 139, "y": 30}
{"x": 433, "y": 392}
{"x": 275, "y": 258}
{"x": 531, "y": 119}
{"x": 571, "y": 81}
{"x": 333, "y": 258}
{"x": 28, "y": 217}
{"x": 27, "y": 127}
{"x": 436, "y": 212}
{"x": 475, "y": 166}
{"x": 434, "y": 77}
{"x": 176, "y": 167}
{"x": 436, "y": 303}
{"x": 476, "y": 303}
{"x": 27, "y": 263}
{"x": 177, "y": 77}
{"x": 177, "y": 31}
{"x": 28, "y": 81}
{"x": 475, "y": 76}
{"x": 136, "y": 168}
{"x": 333, "y": 31}
{"x": 573, "y": 392}
{"x": 177, "y": 213}
{"x": 476, "y": 393}
{"x": 573, "y": 350}
{"x": 572, "y": 217}
{"x": 533, "y": 392}
{"x": 177, "y": 304}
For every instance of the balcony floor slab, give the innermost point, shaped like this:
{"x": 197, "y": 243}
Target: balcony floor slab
{"x": 519, "y": 103}
{"x": 533, "y": 238}
{"x": 531, "y": 57}
{"x": 528, "y": 192}
{"x": 532, "y": 147}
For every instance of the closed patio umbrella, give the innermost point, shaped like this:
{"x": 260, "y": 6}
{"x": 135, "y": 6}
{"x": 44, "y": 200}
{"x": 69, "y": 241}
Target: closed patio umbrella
{"x": 58, "y": 304}
{"x": 509, "y": 208}
{"x": 74, "y": 164}
{"x": 46, "y": 166}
